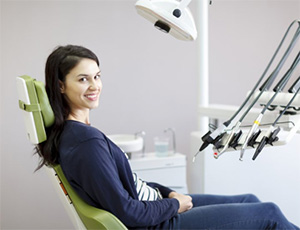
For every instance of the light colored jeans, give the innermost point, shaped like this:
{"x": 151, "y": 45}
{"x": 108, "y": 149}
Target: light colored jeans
{"x": 231, "y": 212}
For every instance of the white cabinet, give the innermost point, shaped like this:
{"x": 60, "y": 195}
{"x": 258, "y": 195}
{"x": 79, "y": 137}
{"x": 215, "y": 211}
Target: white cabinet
{"x": 169, "y": 171}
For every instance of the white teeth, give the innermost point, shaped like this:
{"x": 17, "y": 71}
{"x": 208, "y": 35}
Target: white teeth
{"x": 91, "y": 96}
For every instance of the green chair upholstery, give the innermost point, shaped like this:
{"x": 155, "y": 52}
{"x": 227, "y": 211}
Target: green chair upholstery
{"x": 93, "y": 218}
{"x": 33, "y": 100}
{"x": 38, "y": 114}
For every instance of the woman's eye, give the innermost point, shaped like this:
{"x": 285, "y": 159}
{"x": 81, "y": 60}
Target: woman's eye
{"x": 83, "y": 79}
{"x": 97, "y": 76}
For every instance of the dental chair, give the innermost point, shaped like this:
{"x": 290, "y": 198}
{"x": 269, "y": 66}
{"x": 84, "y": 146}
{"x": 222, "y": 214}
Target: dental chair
{"x": 38, "y": 115}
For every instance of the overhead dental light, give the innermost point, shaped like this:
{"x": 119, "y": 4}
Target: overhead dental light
{"x": 170, "y": 16}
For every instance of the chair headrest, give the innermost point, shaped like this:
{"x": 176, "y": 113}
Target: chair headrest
{"x": 38, "y": 114}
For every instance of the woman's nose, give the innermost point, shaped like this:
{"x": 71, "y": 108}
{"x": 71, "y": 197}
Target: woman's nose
{"x": 94, "y": 85}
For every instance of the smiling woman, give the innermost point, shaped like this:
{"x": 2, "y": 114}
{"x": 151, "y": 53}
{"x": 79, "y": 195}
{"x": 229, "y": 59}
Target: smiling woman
{"x": 73, "y": 86}
{"x": 82, "y": 88}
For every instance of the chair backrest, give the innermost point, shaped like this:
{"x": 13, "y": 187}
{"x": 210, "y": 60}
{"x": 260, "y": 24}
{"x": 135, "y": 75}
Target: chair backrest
{"x": 93, "y": 218}
{"x": 37, "y": 112}
{"x": 38, "y": 115}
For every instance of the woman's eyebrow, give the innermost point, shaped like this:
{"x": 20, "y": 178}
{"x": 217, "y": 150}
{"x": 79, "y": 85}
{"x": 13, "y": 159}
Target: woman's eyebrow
{"x": 82, "y": 75}
{"x": 87, "y": 75}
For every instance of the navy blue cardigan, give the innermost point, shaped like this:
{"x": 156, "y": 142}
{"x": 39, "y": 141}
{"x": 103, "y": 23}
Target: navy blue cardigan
{"x": 101, "y": 175}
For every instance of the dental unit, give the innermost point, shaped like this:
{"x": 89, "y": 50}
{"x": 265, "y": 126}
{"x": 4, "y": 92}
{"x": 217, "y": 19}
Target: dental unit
{"x": 215, "y": 136}
{"x": 279, "y": 87}
{"x": 176, "y": 19}
{"x": 271, "y": 134}
{"x": 229, "y": 138}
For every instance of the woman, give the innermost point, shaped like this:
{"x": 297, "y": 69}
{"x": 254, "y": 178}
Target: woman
{"x": 100, "y": 173}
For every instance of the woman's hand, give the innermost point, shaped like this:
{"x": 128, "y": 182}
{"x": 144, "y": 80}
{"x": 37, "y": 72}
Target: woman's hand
{"x": 185, "y": 202}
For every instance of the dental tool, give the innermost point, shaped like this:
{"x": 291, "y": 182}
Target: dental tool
{"x": 278, "y": 88}
{"x": 295, "y": 86}
{"x": 270, "y": 136}
{"x": 229, "y": 139}
{"x": 235, "y": 139}
{"x": 252, "y": 140}
{"x": 272, "y": 132}
{"x": 212, "y": 137}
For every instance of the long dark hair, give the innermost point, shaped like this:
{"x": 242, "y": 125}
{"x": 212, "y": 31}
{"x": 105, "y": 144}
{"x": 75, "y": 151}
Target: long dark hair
{"x": 59, "y": 63}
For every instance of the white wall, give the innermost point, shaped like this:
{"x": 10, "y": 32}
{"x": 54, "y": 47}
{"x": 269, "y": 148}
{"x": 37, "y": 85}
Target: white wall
{"x": 243, "y": 38}
{"x": 149, "y": 79}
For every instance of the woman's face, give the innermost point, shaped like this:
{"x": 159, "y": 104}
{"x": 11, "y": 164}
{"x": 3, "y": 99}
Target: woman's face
{"x": 82, "y": 87}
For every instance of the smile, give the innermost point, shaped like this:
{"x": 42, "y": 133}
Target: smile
{"x": 92, "y": 97}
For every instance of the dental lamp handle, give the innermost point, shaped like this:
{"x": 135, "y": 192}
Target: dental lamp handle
{"x": 180, "y": 8}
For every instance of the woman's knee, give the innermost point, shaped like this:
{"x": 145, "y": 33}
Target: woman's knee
{"x": 250, "y": 198}
{"x": 272, "y": 209}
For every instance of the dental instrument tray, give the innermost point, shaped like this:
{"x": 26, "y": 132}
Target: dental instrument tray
{"x": 282, "y": 102}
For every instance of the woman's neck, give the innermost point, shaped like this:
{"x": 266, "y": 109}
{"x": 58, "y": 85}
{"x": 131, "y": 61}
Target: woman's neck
{"x": 80, "y": 118}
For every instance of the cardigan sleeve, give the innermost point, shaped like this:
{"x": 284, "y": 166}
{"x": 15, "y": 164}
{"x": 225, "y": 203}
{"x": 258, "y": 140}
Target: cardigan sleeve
{"x": 165, "y": 191}
{"x": 95, "y": 171}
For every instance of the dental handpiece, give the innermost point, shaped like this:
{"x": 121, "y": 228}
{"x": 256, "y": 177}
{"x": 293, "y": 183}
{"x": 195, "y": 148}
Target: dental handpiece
{"x": 267, "y": 138}
{"x": 229, "y": 139}
{"x": 210, "y": 137}
{"x": 295, "y": 86}
{"x": 249, "y": 135}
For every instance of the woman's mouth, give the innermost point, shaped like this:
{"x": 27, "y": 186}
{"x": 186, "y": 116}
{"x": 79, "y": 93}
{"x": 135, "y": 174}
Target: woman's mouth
{"x": 92, "y": 97}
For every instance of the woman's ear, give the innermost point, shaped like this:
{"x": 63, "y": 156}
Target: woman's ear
{"x": 61, "y": 86}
